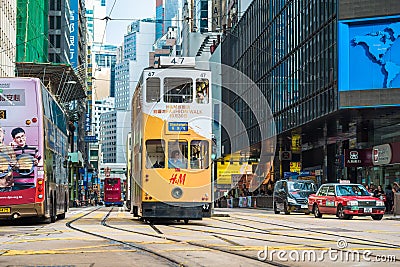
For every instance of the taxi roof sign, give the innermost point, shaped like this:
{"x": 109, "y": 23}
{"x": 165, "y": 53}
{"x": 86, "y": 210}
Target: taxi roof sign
{"x": 344, "y": 181}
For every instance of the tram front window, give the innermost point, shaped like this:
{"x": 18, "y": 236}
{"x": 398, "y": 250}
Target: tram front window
{"x": 199, "y": 154}
{"x": 177, "y": 154}
{"x": 178, "y": 90}
{"x": 155, "y": 157}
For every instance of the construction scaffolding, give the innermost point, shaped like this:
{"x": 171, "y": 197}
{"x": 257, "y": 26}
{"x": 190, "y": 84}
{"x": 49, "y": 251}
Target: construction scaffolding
{"x": 32, "y": 31}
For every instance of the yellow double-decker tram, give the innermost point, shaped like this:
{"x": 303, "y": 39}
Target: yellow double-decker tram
{"x": 171, "y": 142}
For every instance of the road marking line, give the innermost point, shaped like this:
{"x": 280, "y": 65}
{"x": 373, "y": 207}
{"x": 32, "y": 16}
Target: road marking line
{"x": 43, "y": 252}
{"x": 48, "y": 239}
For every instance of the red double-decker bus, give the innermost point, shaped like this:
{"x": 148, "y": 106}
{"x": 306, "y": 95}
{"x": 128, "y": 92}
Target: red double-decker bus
{"x": 113, "y": 192}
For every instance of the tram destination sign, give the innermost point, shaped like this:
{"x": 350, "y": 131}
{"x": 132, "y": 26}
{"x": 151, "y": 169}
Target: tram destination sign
{"x": 178, "y": 126}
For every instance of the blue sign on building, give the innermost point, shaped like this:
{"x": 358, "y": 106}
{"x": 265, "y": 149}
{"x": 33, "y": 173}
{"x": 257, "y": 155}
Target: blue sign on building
{"x": 90, "y": 138}
{"x": 178, "y": 126}
{"x": 73, "y": 37}
{"x": 87, "y": 122}
{"x": 369, "y": 54}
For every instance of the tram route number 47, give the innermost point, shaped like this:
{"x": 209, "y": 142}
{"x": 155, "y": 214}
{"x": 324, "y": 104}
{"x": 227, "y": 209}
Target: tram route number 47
{"x": 177, "y": 60}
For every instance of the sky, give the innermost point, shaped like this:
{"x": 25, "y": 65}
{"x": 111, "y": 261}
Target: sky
{"x": 126, "y": 9}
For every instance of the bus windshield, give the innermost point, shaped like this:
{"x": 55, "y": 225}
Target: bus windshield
{"x": 301, "y": 186}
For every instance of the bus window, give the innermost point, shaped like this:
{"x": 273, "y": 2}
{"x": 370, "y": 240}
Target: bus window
{"x": 202, "y": 91}
{"x": 111, "y": 182}
{"x": 177, "y": 154}
{"x": 178, "y": 90}
{"x": 155, "y": 157}
{"x": 199, "y": 154}
{"x": 153, "y": 89}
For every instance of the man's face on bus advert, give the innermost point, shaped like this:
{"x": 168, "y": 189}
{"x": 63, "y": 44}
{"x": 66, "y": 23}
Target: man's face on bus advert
{"x": 20, "y": 139}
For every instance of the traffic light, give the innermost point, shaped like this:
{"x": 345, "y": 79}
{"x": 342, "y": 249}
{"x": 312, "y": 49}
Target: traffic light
{"x": 214, "y": 148}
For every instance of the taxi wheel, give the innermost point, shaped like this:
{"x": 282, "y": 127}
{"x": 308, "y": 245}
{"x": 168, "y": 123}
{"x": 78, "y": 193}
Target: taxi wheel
{"x": 341, "y": 214}
{"x": 377, "y": 217}
{"x": 317, "y": 214}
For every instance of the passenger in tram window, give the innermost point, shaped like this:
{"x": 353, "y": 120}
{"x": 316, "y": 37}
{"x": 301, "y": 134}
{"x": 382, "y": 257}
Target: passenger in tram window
{"x": 202, "y": 94}
{"x": 176, "y": 161}
{"x": 158, "y": 165}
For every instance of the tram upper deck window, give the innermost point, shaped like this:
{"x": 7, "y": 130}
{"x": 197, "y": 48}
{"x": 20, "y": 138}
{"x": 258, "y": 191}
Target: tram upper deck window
{"x": 153, "y": 89}
{"x": 155, "y": 156}
{"x": 202, "y": 90}
{"x": 199, "y": 154}
{"x": 178, "y": 90}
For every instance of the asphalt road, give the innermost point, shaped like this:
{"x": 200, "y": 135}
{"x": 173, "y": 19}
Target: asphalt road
{"x": 100, "y": 236}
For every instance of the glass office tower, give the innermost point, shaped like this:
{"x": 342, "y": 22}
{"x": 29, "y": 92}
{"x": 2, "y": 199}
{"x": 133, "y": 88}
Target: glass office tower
{"x": 300, "y": 54}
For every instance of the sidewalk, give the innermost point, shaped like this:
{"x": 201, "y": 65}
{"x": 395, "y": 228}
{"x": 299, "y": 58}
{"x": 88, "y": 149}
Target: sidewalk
{"x": 391, "y": 217}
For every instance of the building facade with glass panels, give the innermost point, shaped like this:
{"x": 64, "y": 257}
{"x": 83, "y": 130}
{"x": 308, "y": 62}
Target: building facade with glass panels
{"x": 304, "y": 66}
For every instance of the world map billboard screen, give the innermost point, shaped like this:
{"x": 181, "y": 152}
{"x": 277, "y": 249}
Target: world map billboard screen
{"x": 369, "y": 54}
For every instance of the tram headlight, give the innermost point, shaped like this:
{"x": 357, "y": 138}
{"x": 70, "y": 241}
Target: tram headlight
{"x": 177, "y": 192}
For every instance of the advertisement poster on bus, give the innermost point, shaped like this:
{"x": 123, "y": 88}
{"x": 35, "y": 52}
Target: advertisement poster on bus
{"x": 19, "y": 138}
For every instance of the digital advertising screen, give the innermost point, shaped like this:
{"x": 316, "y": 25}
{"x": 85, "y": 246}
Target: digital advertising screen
{"x": 369, "y": 54}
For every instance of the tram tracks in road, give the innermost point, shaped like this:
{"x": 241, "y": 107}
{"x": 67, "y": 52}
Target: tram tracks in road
{"x": 124, "y": 243}
{"x": 256, "y": 230}
{"x": 210, "y": 247}
{"x": 356, "y": 240}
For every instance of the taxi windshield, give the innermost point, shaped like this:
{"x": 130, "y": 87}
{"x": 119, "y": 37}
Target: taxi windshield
{"x": 301, "y": 186}
{"x": 352, "y": 190}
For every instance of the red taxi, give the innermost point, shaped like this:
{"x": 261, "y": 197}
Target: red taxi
{"x": 345, "y": 201}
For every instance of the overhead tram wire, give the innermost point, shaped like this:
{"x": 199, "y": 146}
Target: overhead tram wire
{"x": 261, "y": 50}
{"x": 106, "y": 18}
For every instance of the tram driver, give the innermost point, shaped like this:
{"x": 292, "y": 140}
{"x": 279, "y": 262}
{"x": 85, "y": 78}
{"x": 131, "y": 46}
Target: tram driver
{"x": 176, "y": 161}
